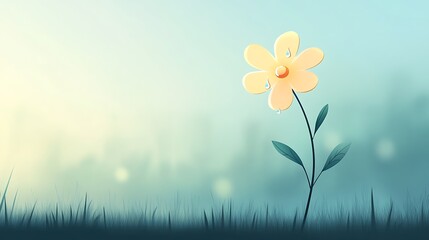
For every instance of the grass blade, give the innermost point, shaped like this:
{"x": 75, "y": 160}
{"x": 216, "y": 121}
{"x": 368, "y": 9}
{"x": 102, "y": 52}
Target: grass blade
{"x": 222, "y": 219}
{"x": 104, "y": 217}
{"x": 63, "y": 218}
{"x": 266, "y": 218}
{"x": 31, "y": 215}
{"x": 294, "y": 219}
{"x": 54, "y": 221}
{"x": 13, "y": 205}
{"x": 96, "y": 220}
{"x": 230, "y": 214}
{"x": 153, "y": 215}
{"x": 85, "y": 210}
{"x": 389, "y": 217}
{"x": 348, "y": 221}
{"x": 46, "y": 221}
{"x": 213, "y": 220}
{"x": 22, "y": 220}
{"x": 6, "y": 219}
{"x": 70, "y": 215}
{"x": 254, "y": 221}
{"x": 3, "y": 199}
{"x": 206, "y": 222}
{"x": 373, "y": 223}
{"x": 169, "y": 221}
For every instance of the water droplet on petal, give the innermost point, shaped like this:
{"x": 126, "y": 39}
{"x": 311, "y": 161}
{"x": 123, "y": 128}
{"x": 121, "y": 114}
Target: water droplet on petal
{"x": 288, "y": 54}
{"x": 267, "y": 84}
{"x": 279, "y": 111}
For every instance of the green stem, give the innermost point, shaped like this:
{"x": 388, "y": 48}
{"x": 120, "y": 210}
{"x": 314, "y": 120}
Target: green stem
{"x": 314, "y": 161}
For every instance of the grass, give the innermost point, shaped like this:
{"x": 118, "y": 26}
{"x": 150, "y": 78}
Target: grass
{"x": 87, "y": 221}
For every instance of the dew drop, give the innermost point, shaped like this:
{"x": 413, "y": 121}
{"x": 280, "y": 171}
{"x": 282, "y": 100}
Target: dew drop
{"x": 279, "y": 111}
{"x": 267, "y": 84}
{"x": 288, "y": 54}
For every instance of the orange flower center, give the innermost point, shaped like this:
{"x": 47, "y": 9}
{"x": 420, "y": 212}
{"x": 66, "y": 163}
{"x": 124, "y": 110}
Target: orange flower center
{"x": 282, "y": 71}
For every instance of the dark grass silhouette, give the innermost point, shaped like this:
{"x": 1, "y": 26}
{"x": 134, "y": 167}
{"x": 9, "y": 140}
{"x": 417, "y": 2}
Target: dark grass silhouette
{"x": 88, "y": 222}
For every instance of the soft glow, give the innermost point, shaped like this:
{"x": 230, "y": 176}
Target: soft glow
{"x": 121, "y": 175}
{"x": 332, "y": 139}
{"x": 385, "y": 149}
{"x": 222, "y": 188}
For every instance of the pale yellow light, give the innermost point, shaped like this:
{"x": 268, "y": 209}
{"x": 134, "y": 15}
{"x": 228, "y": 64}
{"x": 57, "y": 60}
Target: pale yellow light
{"x": 121, "y": 175}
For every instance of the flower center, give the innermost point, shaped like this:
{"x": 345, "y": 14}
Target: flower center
{"x": 282, "y": 71}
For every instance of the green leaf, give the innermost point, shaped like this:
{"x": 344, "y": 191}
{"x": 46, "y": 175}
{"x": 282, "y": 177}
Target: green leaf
{"x": 321, "y": 117}
{"x": 288, "y": 152}
{"x": 336, "y": 155}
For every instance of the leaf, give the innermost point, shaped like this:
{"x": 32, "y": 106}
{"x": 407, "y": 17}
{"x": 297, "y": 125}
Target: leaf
{"x": 288, "y": 152}
{"x": 321, "y": 117}
{"x": 336, "y": 155}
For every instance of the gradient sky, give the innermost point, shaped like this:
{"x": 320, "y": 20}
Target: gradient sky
{"x": 141, "y": 99}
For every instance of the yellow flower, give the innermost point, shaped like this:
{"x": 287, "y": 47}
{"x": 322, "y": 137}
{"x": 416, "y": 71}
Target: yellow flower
{"x": 281, "y": 73}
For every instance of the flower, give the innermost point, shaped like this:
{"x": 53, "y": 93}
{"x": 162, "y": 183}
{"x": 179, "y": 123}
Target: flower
{"x": 284, "y": 72}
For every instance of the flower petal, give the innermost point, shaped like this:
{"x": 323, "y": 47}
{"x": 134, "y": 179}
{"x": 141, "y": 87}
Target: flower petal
{"x": 259, "y": 57}
{"x": 287, "y": 42}
{"x": 309, "y": 58}
{"x": 281, "y": 96}
{"x": 303, "y": 81}
{"x": 255, "y": 82}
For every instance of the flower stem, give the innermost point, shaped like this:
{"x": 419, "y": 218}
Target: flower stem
{"x": 314, "y": 161}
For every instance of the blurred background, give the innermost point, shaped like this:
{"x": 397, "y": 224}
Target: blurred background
{"x": 132, "y": 101}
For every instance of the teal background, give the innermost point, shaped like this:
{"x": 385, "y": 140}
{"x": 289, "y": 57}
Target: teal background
{"x": 137, "y": 100}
